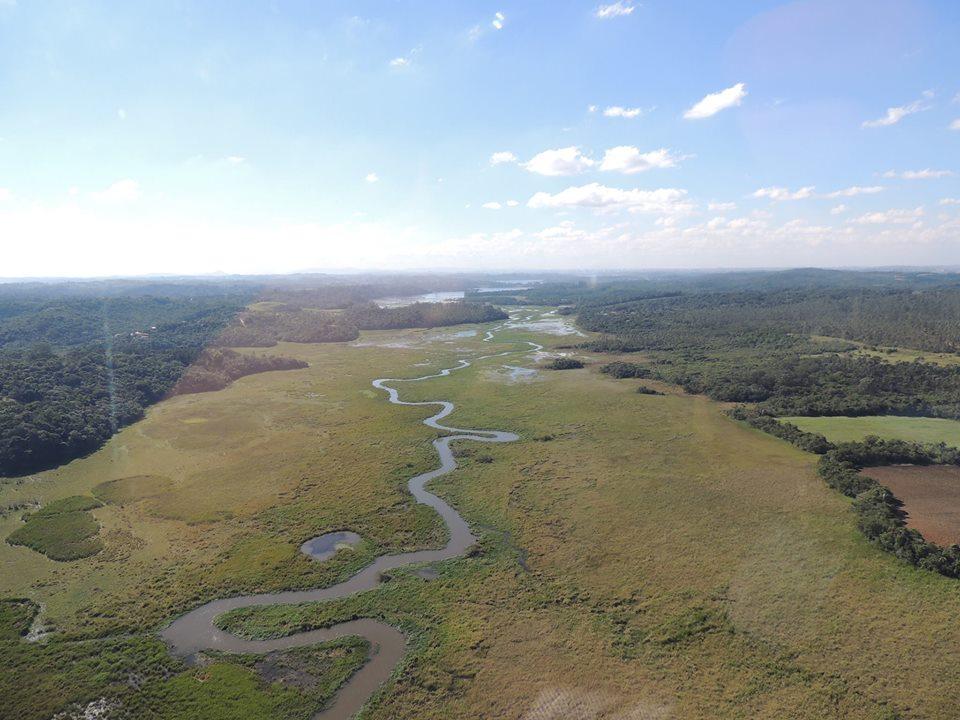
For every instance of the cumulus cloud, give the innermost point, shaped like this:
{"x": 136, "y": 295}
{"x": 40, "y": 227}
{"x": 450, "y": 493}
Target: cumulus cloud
{"x": 898, "y": 113}
{"x": 502, "y": 157}
{"x": 715, "y": 102}
{"x": 778, "y": 194}
{"x": 856, "y": 190}
{"x": 838, "y": 209}
{"x": 721, "y": 206}
{"x": 955, "y": 125}
{"x": 600, "y": 197}
{"x": 497, "y": 22}
{"x": 122, "y": 191}
{"x": 950, "y": 201}
{"x": 403, "y": 61}
{"x": 925, "y": 174}
{"x": 562, "y": 161}
{"x": 614, "y": 10}
{"x": 890, "y": 217}
{"x": 629, "y": 160}
{"x": 372, "y": 178}
{"x": 622, "y": 112}
{"x": 495, "y": 205}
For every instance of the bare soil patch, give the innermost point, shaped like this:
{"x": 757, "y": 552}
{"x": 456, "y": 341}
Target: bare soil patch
{"x": 930, "y": 496}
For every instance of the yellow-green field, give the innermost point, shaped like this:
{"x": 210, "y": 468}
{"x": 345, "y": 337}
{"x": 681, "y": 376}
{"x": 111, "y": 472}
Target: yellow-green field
{"x": 641, "y": 556}
{"x": 852, "y": 429}
{"x": 893, "y": 354}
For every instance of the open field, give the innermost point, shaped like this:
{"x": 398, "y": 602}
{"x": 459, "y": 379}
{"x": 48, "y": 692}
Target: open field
{"x": 640, "y": 557}
{"x": 852, "y": 429}
{"x": 893, "y": 354}
{"x": 930, "y": 496}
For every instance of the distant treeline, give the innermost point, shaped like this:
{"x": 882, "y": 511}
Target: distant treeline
{"x": 265, "y": 329}
{"x": 757, "y": 346}
{"x": 926, "y": 320}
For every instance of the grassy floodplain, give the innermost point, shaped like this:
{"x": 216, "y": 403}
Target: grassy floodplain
{"x": 852, "y": 429}
{"x": 640, "y": 556}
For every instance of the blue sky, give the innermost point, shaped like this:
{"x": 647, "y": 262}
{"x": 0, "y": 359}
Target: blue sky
{"x": 159, "y": 137}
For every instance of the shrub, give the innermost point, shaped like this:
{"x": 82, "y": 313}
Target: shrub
{"x": 564, "y": 363}
{"x": 626, "y": 370}
{"x": 63, "y": 530}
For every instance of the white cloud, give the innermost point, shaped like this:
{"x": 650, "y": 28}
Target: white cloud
{"x": 715, "y": 102}
{"x": 235, "y": 160}
{"x": 600, "y": 197}
{"x": 781, "y": 193}
{"x": 856, "y": 190}
{"x": 955, "y": 125}
{"x": 512, "y": 203}
{"x": 591, "y": 108}
{"x": 562, "y": 161}
{"x": 491, "y": 206}
{"x": 721, "y": 206}
{"x": 372, "y": 177}
{"x": 950, "y": 201}
{"x": 925, "y": 174}
{"x": 622, "y": 112}
{"x": 5, "y": 194}
{"x": 121, "y": 113}
{"x": 898, "y": 113}
{"x": 122, "y": 191}
{"x": 613, "y": 10}
{"x": 629, "y": 160}
{"x": 502, "y": 157}
{"x": 838, "y": 209}
{"x": 888, "y": 217}
{"x": 404, "y": 61}
{"x": 497, "y": 22}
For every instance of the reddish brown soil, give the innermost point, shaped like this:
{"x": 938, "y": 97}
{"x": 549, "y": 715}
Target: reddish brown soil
{"x": 930, "y": 496}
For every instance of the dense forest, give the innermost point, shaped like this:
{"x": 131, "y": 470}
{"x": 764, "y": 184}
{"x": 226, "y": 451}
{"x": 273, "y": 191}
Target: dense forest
{"x": 68, "y": 381}
{"x": 215, "y": 368}
{"x": 789, "y": 349}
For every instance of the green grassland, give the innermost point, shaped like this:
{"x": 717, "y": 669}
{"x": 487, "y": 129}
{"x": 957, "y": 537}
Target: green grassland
{"x": 63, "y": 530}
{"x": 852, "y": 429}
{"x": 641, "y": 556}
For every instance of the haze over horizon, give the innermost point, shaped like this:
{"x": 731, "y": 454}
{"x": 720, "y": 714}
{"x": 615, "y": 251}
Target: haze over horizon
{"x": 165, "y": 138}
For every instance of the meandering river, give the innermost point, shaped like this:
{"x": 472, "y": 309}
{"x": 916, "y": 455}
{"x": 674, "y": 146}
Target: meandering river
{"x": 196, "y": 631}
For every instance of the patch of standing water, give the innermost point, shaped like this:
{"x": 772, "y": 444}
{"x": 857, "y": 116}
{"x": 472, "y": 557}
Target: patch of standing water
{"x": 324, "y": 547}
{"x": 519, "y": 374}
{"x": 550, "y": 326}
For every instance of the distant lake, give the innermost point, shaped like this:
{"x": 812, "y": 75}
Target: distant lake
{"x": 439, "y": 297}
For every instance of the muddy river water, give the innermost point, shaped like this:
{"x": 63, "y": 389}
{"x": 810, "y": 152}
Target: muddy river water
{"x": 196, "y": 631}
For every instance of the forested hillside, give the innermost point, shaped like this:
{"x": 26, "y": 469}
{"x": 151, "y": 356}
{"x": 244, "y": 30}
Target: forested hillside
{"x": 758, "y": 346}
{"x": 74, "y": 371}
